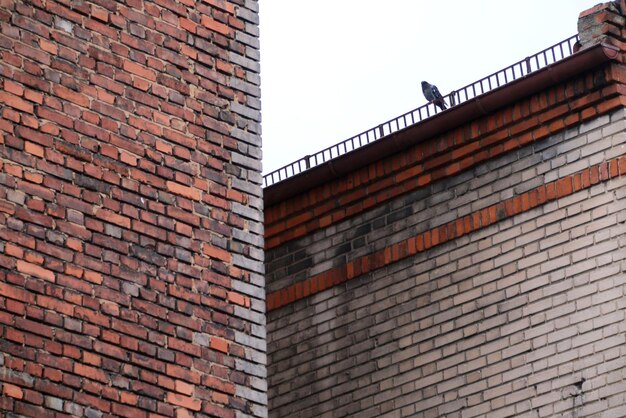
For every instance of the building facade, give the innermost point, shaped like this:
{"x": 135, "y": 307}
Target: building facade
{"x": 473, "y": 264}
{"x": 131, "y": 235}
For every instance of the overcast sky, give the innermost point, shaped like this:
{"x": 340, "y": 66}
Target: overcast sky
{"x": 331, "y": 69}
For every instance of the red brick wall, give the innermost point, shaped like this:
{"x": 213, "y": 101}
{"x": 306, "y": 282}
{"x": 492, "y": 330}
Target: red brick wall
{"x": 130, "y": 212}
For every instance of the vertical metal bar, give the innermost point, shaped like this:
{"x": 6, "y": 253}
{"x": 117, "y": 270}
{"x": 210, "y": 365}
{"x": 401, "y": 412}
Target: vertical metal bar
{"x": 569, "y": 46}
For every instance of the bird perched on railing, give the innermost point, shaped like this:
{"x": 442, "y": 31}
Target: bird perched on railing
{"x": 431, "y": 92}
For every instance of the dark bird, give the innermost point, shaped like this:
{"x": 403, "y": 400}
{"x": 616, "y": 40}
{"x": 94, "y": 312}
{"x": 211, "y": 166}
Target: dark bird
{"x": 431, "y": 92}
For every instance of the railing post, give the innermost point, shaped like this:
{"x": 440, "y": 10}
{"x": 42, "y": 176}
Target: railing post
{"x": 451, "y": 98}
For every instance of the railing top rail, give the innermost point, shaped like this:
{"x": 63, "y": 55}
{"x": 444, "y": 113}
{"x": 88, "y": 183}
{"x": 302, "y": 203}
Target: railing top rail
{"x": 513, "y": 72}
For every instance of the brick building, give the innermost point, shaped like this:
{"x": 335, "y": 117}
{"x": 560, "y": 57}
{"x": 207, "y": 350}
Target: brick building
{"x": 470, "y": 264}
{"x": 131, "y": 246}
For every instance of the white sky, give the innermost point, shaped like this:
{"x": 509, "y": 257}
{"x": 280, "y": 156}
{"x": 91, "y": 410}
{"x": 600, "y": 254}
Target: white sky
{"x": 331, "y": 69}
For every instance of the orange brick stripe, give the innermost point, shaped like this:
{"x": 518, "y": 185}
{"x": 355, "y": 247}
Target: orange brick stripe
{"x": 536, "y": 118}
{"x": 470, "y": 223}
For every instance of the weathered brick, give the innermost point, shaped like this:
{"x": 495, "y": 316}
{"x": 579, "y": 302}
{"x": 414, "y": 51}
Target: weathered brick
{"x": 107, "y": 250}
{"x": 506, "y": 296}
{"x": 16, "y": 102}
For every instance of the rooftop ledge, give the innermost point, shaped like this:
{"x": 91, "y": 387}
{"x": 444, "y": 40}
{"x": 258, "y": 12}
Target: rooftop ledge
{"x": 530, "y": 75}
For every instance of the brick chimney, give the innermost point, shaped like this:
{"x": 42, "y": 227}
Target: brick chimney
{"x": 602, "y": 23}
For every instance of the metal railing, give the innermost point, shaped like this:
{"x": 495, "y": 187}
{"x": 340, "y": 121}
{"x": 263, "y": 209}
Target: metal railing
{"x": 513, "y": 72}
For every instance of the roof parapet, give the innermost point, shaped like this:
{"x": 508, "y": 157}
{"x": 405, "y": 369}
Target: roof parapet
{"x": 341, "y": 163}
{"x": 498, "y": 79}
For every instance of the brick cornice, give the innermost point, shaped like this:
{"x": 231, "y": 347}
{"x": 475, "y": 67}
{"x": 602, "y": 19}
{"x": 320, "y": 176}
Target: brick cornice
{"x": 426, "y": 240}
{"x": 532, "y": 119}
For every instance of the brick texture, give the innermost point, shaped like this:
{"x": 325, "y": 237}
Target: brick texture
{"x": 429, "y": 217}
{"x": 481, "y": 272}
{"x": 525, "y": 122}
{"x": 131, "y": 246}
{"x": 518, "y": 312}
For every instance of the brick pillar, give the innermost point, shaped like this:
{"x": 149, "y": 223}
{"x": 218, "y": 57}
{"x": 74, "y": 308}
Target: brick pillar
{"x": 602, "y": 23}
{"x": 131, "y": 261}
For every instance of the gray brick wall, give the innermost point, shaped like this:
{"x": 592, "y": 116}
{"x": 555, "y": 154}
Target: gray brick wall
{"x": 522, "y": 318}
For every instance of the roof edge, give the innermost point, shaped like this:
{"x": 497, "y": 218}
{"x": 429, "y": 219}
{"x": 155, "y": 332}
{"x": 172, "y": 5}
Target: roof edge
{"x": 467, "y": 111}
